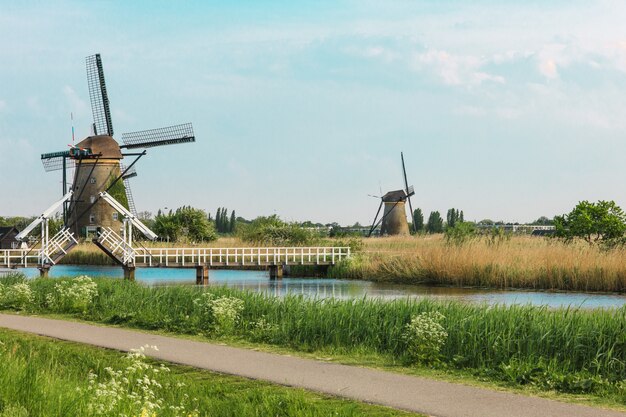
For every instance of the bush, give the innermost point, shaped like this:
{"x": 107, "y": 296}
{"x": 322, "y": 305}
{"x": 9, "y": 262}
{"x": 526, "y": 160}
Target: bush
{"x": 17, "y": 296}
{"x": 460, "y": 233}
{"x": 72, "y": 295}
{"x": 273, "y": 231}
{"x": 424, "y": 336}
{"x": 219, "y": 314}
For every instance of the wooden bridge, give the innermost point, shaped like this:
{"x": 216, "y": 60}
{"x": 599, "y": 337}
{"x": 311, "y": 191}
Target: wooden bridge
{"x": 130, "y": 255}
{"x": 202, "y": 259}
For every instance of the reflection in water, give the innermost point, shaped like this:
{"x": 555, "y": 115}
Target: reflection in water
{"x": 339, "y": 288}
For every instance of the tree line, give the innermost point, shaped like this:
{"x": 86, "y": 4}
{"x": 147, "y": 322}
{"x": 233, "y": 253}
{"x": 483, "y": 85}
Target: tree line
{"x": 435, "y": 223}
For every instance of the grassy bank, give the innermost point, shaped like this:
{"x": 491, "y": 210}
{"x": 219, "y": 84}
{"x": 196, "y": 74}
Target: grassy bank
{"x": 41, "y": 377}
{"x": 517, "y": 262}
{"x": 565, "y": 350}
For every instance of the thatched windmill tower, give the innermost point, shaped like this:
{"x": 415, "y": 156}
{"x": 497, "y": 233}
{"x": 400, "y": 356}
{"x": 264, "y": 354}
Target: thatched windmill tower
{"x": 394, "y": 216}
{"x": 96, "y": 161}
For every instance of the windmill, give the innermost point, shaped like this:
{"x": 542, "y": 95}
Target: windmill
{"x": 394, "y": 216}
{"x": 97, "y": 161}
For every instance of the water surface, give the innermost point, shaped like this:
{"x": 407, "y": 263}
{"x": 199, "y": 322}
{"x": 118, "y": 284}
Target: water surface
{"x": 342, "y": 288}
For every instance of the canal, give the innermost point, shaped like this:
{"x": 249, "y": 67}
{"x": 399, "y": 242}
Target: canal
{"x": 341, "y": 288}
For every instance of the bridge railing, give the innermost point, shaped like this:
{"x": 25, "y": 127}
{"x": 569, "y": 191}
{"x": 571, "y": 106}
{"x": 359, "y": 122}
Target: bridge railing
{"x": 240, "y": 256}
{"x": 23, "y": 258}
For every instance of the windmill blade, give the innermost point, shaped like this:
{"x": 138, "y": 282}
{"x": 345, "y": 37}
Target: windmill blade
{"x": 406, "y": 182}
{"x": 412, "y": 219}
{"x": 170, "y": 135}
{"x": 375, "y": 217}
{"x": 129, "y": 195}
{"x": 53, "y": 161}
{"x": 409, "y": 191}
{"x": 132, "y": 172}
{"x": 98, "y": 96}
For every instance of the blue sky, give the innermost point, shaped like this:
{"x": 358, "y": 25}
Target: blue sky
{"x": 507, "y": 111}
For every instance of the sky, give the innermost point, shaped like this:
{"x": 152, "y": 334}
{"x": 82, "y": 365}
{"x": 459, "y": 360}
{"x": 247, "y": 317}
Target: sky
{"x": 505, "y": 110}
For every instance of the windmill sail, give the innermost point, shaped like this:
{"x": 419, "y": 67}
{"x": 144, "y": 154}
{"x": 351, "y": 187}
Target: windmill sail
{"x": 409, "y": 192}
{"x": 54, "y": 161}
{"x": 129, "y": 197}
{"x": 170, "y": 135}
{"x": 98, "y": 96}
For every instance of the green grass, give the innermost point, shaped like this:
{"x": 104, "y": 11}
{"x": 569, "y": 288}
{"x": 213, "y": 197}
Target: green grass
{"x": 42, "y": 377}
{"x": 564, "y": 350}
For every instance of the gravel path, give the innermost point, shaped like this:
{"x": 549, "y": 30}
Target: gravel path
{"x": 422, "y": 395}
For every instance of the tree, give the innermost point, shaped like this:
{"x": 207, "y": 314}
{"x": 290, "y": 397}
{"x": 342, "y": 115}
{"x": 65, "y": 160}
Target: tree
{"x": 452, "y": 217}
{"x": 603, "y": 221}
{"x": 543, "y": 221}
{"x": 233, "y": 222}
{"x": 218, "y": 219}
{"x": 418, "y": 220}
{"x": 186, "y": 222}
{"x": 435, "y": 223}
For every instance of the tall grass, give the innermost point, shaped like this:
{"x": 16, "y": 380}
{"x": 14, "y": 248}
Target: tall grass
{"x": 41, "y": 377}
{"x": 518, "y": 262}
{"x": 565, "y": 349}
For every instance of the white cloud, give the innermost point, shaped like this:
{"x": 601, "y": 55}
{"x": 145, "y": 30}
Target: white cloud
{"x": 455, "y": 69}
{"x": 3, "y": 105}
{"x": 548, "y": 68}
{"x": 77, "y": 105}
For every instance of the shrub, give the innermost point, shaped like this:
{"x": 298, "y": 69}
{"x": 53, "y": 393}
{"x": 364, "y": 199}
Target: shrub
{"x": 264, "y": 331}
{"x": 17, "y": 296}
{"x": 424, "y": 336}
{"x": 219, "y": 314}
{"x": 273, "y": 231}
{"x": 460, "y": 233}
{"x": 72, "y": 295}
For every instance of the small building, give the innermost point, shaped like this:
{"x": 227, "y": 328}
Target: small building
{"x": 7, "y": 238}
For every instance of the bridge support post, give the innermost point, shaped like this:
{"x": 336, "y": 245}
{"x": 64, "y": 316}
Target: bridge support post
{"x": 202, "y": 275}
{"x": 129, "y": 273}
{"x": 276, "y": 271}
{"x": 44, "y": 271}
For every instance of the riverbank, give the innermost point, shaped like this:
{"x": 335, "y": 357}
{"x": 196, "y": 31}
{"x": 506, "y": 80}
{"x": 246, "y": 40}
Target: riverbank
{"x": 560, "y": 350}
{"x": 37, "y": 379}
{"x": 517, "y": 262}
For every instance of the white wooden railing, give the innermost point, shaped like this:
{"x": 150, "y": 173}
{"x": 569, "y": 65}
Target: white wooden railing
{"x": 22, "y": 258}
{"x": 188, "y": 257}
{"x": 240, "y": 256}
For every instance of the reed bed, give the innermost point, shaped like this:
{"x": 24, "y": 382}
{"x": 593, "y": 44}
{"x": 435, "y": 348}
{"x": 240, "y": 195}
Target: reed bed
{"x": 41, "y": 377}
{"x": 517, "y": 262}
{"x": 570, "y": 350}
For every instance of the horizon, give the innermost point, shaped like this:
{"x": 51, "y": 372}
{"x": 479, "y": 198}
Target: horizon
{"x": 507, "y": 112}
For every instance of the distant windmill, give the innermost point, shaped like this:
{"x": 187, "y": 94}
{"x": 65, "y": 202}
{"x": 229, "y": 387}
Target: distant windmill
{"x": 97, "y": 160}
{"x": 394, "y": 216}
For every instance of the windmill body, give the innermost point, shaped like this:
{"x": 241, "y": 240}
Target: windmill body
{"x": 394, "y": 217}
{"x": 92, "y": 176}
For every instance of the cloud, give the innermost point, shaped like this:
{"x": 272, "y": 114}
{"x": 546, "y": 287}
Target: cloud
{"x": 548, "y": 68}
{"x": 77, "y": 105}
{"x": 3, "y": 105}
{"x": 455, "y": 69}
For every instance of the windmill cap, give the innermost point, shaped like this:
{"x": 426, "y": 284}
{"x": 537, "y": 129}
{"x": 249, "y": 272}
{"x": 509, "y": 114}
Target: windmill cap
{"x": 102, "y": 145}
{"x": 394, "y": 196}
